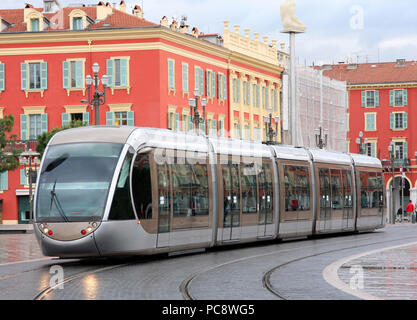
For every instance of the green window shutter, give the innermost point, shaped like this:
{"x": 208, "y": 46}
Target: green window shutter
{"x": 376, "y": 98}
{"x": 24, "y": 76}
{"x": 2, "y": 77}
{"x": 373, "y": 151}
{"x": 24, "y": 126}
{"x": 208, "y": 83}
{"x": 219, "y": 86}
{"x": 79, "y": 77}
{"x": 363, "y": 98}
{"x": 109, "y": 72}
{"x": 23, "y": 178}
{"x": 214, "y": 124}
{"x": 405, "y": 120}
{"x": 392, "y": 121}
{"x": 123, "y": 72}
{"x": 405, "y": 150}
{"x": 65, "y": 74}
{"x": 239, "y": 133}
{"x": 177, "y": 122}
{"x": 234, "y": 90}
{"x": 405, "y": 97}
{"x": 201, "y": 81}
{"x": 196, "y": 75}
{"x": 184, "y": 78}
{"x": 221, "y": 128}
{"x": 275, "y": 101}
{"x": 391, "y": 98}
{"x": 109, "y": 118}
{"x": 171, "y": 81}
{"x": 86, "y": 118}
{"x": 44, "y": 75}
{"x": 65, "y": 119}
{"x": 238, "y": 90}
{"x": 44, "y": 122}
{"x": 257, "y": 95}
{"x": 213, "y": 84}
{"x": 248, "y": 93}
{"x": 4, "y": 181}
{"x": 224, "y": 88}
{"x": 131, "y": 118}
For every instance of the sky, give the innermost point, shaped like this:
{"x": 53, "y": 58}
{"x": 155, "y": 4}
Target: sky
{"x": 337, "y": 30}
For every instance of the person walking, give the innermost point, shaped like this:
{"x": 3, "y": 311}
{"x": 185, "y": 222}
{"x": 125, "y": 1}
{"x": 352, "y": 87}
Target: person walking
{"x": 409, "y": 210}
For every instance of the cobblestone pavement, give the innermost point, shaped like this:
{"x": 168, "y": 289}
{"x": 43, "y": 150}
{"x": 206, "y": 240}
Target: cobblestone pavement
{"x": 19, "y": 247}
{"x": 389, "y": 274}
{"x": 235, "y": 273}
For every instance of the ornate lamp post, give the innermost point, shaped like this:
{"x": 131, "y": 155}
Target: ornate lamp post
{"x": 321, "y": 137}
{"x": 29, "y": 158}
{"x": 391, "y": 150}
{"x": 195, "y": 114}
{"x": 360, "y": 142}
{"x": 271, "y": 133}
{"x": 99, "y": 98}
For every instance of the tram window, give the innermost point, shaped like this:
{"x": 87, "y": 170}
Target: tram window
{"x": 337, "y": 189}
{"x": 297, "y": 188}
{"x": 231, "y": 192}
{"x": 164, "y": 202}
{"x": 347, "y": 189}
{"x": 265, "y": 188}
{"x": 380, "y": 184}
{"x": 141, "y": 187}
{"x": 121, "y": 208}
{"x": 182, "y": 190}
{"x": 248, "y": 186}
{"x": 200, "y": 194}
{"x": 369, "y": 190}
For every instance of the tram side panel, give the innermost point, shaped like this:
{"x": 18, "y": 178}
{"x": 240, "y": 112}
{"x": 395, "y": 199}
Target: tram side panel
{"x": 296, "y": 198}
{"x": 370, "y": 199}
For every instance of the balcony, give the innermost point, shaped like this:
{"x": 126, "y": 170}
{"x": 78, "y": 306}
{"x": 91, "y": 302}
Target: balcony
{"x": 398, "y": 163}
{"x": 21, "y": 145}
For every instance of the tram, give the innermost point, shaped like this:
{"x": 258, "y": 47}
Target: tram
{"x": 106, "y": 191}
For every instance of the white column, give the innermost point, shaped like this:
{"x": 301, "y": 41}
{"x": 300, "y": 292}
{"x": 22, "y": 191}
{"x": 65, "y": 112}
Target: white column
{"x": 293, "y": 98}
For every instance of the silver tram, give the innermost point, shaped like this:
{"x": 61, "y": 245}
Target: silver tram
{"x": 106, "y": 191}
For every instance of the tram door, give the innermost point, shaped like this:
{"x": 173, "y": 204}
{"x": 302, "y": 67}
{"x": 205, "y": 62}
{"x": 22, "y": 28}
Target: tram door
{"x": 231, "y": 202}
{"x": 164, "y": 206}
{"x": 325, "y": 200}
{"x": 265, "y": 184}
{"x": 348, "y": 200}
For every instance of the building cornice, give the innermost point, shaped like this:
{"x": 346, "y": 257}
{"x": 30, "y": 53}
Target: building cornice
{"x": 384, "y": 85}
{"x": 90, "y": 36}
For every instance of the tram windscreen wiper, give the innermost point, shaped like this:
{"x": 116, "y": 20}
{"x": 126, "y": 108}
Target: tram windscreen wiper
{"x": 54, "y": 199}
{"x": 51, "y": 166}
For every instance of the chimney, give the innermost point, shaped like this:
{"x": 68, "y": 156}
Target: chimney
{"x": 122, "y": 6}
{"x": 174, "y": 25}
{"x": 184, "y": 29}
{"x": 164, "y": 21}
{"x": 103, "y": 10}
{"x": 137, "y": 11}
{"x": 195, "y": 32}
{"x": 401, "y": 63}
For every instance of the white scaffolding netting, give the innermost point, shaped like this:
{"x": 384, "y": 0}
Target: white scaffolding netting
{"x": 312, "y": 112}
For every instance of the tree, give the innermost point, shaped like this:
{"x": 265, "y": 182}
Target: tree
{"x": 44, "y": 138}
{"x": 9, "y": 150}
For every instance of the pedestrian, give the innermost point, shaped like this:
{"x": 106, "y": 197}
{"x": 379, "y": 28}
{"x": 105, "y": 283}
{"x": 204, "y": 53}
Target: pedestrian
{"x": 400, "y": 214}
{"x": 409, "y": 210}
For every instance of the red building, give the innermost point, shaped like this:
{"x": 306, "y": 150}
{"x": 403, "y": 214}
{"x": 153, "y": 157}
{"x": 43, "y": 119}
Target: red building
{"x": 382, "y": 105}
{"x": 153, "y": 69}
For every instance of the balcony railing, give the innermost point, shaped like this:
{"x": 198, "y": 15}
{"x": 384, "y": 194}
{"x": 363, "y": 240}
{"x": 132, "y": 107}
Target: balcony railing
{"x": 405, "y": 163}
{"x": 21, "y": 145}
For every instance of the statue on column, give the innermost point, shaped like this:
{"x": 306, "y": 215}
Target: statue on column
{"x": 289, "y": 20}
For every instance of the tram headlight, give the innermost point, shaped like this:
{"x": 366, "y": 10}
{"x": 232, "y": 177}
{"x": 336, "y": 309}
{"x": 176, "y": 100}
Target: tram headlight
{"x": 45, "y": 230}
{"x": 89, "y": 229}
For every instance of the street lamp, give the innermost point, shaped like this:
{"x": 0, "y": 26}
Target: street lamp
{"x": 28, "y": 158}
{"x": 99, "y": 98}
{"x": 321, "y": 137}
{"x": 194, "y": 113}
{"x": 360, "y": 143}
{"x": 391, "y": 149}
{"x": 271, "y": 133}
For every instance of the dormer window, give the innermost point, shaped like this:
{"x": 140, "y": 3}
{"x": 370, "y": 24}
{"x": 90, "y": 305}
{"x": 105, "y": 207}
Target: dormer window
{"x": 77, "y": 23}
{"x": 34, "y": 24}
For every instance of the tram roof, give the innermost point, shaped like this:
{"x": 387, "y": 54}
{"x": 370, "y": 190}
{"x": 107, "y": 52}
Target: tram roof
{"x": 291, "y": 153}
{"x": 237, "y": 147}
{"x": 332, "y": 157}
{"x": 361, "y": 160}
{"x": 111, "y": 134}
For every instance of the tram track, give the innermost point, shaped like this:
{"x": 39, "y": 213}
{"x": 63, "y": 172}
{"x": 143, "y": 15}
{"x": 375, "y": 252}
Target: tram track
{"x": 185, "y": 285}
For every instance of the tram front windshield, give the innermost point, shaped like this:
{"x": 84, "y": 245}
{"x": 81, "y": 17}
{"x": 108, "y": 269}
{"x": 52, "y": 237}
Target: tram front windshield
{"x": 75, "y": 180}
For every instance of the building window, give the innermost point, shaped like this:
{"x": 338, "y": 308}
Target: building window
{"x": 120, "y": 118}
{"x": 370, "y": 121}
{"x": 199, "y": 80}
{"x": 2, "y": 77}
{"x": 401, "y": 150}
{"x": 399, "y": 121}
{"x": 171, "y": 74}
{"x": 118, "y": 72}
{"x": 34, "y": 75}
{"x": 4, "y": 181}
{"x": 398, "y": 98}
{"x": 34, "y": 24}
{"x": 77, "y": 23}
{"x": 370, "y": 98}
{"x": 222, "y": 87}
{"x": 370, "y": 149}
{"x": 73, "y": 74}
